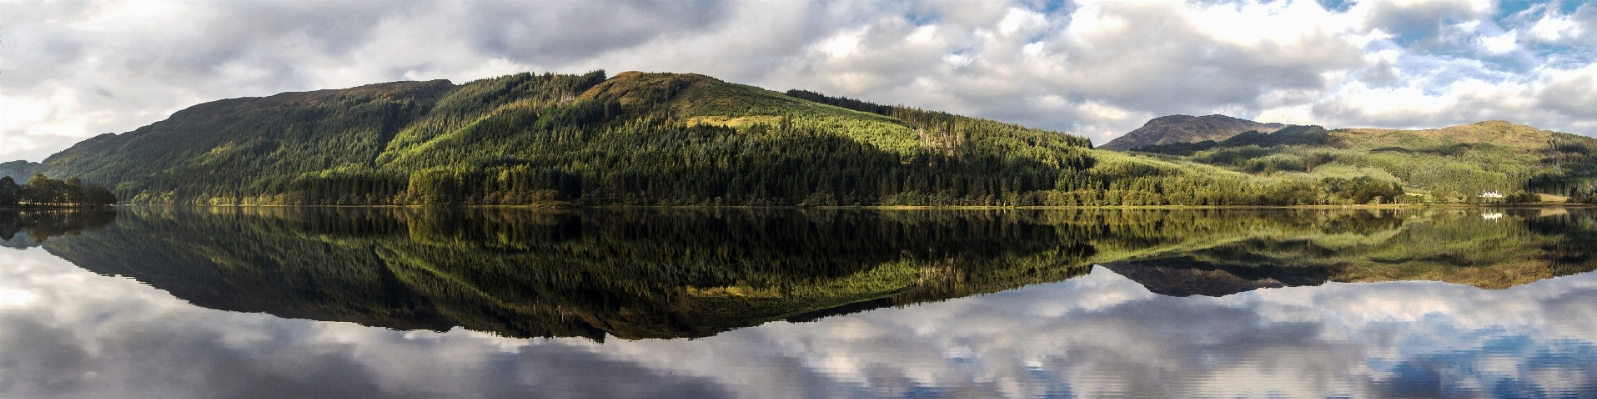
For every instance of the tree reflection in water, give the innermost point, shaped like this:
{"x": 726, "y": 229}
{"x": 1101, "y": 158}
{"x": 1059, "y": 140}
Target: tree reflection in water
{"x": 695, "y": 273}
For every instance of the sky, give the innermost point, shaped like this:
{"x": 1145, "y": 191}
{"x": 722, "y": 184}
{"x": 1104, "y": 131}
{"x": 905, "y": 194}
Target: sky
{"x": 73, "y": 69}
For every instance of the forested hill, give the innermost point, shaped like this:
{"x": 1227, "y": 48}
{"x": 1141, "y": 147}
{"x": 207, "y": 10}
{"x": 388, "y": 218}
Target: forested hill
{"x": 635, "y": 138}
{"x": 1451, "y": 164}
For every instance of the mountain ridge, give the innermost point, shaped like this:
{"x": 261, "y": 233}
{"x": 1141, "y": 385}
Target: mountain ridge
{"x": 1451, "y": 164}
{"x": 1187, "y": 129}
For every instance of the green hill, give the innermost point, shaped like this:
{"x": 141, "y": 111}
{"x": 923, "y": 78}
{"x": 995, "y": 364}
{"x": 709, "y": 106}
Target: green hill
{"x": 636, "y": 138}
{"x": 632, "y": 139}
{"x": 1452, "y": 164}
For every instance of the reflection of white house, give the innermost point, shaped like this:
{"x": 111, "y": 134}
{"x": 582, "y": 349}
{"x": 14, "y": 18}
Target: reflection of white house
{"x": 1492, "y": 194}
{"x": 1492, "y": 216}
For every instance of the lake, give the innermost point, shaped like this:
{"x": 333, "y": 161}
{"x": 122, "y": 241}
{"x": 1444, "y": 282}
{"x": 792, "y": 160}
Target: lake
{"x": 711, "y": 303}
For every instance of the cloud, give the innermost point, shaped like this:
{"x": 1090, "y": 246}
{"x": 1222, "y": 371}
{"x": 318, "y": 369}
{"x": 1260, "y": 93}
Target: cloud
{"x": 1556, "y": 97}
{"x": 1501, "y": 43}
{"x": 1554, "y": 27}
{"x": 69, "y": 70}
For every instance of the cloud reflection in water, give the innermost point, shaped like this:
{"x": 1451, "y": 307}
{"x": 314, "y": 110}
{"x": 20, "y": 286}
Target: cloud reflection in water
{"x": 66, "y": 332}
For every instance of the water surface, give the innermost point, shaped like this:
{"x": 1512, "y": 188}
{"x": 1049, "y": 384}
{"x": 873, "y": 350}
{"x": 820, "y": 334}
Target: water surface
{"x": 351, "y": 302}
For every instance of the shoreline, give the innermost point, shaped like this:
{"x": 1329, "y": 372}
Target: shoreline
{"x": 1538, "y": 205}
{"x": 57, "y": 208}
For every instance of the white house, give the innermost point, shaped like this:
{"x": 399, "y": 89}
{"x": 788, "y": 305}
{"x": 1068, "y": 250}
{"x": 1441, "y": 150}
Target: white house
{"x": 1492, "y": 194}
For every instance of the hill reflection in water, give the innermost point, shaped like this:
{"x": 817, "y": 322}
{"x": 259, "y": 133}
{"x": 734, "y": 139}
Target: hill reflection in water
{"x": 1071, "y": 304}
{"x": 694, "y": 273}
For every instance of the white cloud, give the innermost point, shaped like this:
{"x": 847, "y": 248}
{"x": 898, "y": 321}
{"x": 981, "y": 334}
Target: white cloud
{"x": 958, "y": 60}
{"x": 1556, "y": 97}
{"x": 1506, "y": 42}
{"x": 1573, "y": 92}
{"x": 1033, "y": 49}
{"x": 1018, "y": 19}
{"x": 923, "y": 34}
{"x": 1554, "y": 27}
{"x": 842, "y": 45}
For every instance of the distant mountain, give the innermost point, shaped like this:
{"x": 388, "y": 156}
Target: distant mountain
{"x": 20, "y": 170}
{"x": 1450, "y": 164}
{"x": 1187, "y": 129}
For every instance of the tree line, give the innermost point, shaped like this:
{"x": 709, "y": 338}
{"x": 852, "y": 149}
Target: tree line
{"x": 844, "y": 102}
{"x": 41, "y": 191}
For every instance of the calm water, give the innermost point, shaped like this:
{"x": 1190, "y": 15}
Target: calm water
{"x": 406, "y": 303}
